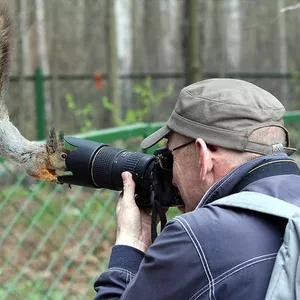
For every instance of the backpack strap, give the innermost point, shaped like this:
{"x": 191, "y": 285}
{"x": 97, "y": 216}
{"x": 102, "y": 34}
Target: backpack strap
{"x": 267, "y": 169}
{"x": 260, "y": 203}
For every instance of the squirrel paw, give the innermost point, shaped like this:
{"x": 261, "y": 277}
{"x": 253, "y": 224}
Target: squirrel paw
{"x": 44, "y": 174}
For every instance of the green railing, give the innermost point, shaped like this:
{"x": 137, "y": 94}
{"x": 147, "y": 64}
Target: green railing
{"x": 55, "y": 241}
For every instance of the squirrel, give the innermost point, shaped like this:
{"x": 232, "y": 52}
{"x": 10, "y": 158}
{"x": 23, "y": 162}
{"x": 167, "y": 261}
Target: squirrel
{"x": 40, "y": 160}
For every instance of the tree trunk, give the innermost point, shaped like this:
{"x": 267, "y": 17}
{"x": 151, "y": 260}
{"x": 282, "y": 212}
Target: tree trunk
{"x": 24, "y": 63}
{"x": 208, "y": 35}
{"x": 112, "y": 60}
{"x": 135, "y": 35}
{"x": 22, "y": 109}
{"x": 54, "y": 71}
{"x": 42, "y": 52}
{"x": 220, "y": 44}
{"x": 194, "y": 72}
{"x": 233, "y": 36}
{"x": 124, "y": 50}
{"x": 283, "y": 64}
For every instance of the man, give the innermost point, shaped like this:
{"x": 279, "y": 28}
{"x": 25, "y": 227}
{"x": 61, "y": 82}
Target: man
{"x": 233, "y": 140}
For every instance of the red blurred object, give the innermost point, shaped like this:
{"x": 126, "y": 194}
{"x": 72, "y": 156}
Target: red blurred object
{"x": 98, "y": 80}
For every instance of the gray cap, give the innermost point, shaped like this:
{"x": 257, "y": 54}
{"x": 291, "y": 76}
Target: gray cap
{"x": 224, "y": 112}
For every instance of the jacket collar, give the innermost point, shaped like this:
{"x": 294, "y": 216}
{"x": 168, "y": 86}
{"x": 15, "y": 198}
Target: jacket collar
{"x": 226, "y": 185}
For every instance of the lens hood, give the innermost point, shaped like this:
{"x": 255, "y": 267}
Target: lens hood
{"x": 79, "y": 160}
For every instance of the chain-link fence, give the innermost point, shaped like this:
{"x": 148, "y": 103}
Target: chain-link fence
{"x": 56, "y": 240}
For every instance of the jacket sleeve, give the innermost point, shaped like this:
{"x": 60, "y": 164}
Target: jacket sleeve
{"x": 170, "y": 269}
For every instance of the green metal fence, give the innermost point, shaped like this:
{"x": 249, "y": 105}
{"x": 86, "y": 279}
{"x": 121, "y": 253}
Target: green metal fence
{"x": 55, "y": 241}
{"x": 39, "y": 79}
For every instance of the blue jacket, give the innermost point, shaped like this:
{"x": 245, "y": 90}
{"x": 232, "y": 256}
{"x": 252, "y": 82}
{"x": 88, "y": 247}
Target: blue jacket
{"x": 210, "y": 253}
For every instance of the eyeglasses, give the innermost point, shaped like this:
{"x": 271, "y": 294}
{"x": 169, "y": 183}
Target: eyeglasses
{"x": 165, "y": 156}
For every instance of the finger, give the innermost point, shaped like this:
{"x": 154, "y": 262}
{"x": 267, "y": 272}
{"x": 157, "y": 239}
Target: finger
{"x": 128, "y": 187}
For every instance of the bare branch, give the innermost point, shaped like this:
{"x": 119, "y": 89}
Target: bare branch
{"x": 281, "y": 11}
{"x": 290, "y": 7}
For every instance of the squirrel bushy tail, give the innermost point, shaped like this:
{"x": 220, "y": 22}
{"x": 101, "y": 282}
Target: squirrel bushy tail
{"x": 39, "y": 159}
{"x": 12, "y": 143}
{"x": 5, "y": 55}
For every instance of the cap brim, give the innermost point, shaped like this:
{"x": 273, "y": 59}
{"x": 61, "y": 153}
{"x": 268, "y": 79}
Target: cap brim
{"x": 155, "y": 137}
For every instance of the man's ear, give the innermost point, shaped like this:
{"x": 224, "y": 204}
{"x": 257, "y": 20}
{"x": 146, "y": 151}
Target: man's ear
{"x": 206, "y": 163}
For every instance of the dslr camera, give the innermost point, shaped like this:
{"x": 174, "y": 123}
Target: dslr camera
{"x": 98, "y": 165}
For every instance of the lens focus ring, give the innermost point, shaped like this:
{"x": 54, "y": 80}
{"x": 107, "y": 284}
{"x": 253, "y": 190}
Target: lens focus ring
{"x": 102, "y": 166}
{"x": 131, "y": 162}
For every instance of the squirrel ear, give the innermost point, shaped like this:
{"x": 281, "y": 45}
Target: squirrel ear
{"x": 49, "y": 146}
{"x": 52, "y": 143}
{"x": 61, "y": 139}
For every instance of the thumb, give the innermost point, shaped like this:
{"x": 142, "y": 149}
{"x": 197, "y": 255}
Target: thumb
{"x": 128, "y": 186}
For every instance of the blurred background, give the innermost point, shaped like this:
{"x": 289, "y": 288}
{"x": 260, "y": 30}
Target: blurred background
{"x": 90, "y": 65}
{"x": 79, "y": 44}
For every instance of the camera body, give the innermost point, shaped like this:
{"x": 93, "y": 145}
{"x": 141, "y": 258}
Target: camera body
{"x": 98, "y": 165}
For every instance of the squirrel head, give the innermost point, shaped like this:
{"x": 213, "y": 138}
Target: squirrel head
{"x": 56, "y": 150}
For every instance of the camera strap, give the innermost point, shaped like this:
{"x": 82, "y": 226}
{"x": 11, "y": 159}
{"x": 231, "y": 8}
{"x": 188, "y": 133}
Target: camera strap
{"x": 157, "y": 209}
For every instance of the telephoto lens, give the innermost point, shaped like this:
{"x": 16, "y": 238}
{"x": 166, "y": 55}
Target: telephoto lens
{"x": 98, "y": 165}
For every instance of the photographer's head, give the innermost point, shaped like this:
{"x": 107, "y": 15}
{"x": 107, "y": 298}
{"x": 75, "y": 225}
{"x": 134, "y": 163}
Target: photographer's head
{"x": 230, "y": 121}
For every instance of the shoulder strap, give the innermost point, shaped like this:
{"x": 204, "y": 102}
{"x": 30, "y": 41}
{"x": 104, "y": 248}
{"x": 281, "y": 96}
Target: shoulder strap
{"x": 261, "y": 203}
{"x": 267, "y": 169}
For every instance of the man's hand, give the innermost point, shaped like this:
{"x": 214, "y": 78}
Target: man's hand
{"x": 133, "y": 224}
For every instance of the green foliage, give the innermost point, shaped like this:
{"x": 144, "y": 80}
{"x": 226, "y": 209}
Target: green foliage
{"x": 147, "y": 98}
{"x": 83, "y": 115}
{"x": 173, "y": 212}
{"x": 114, "y": 110}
